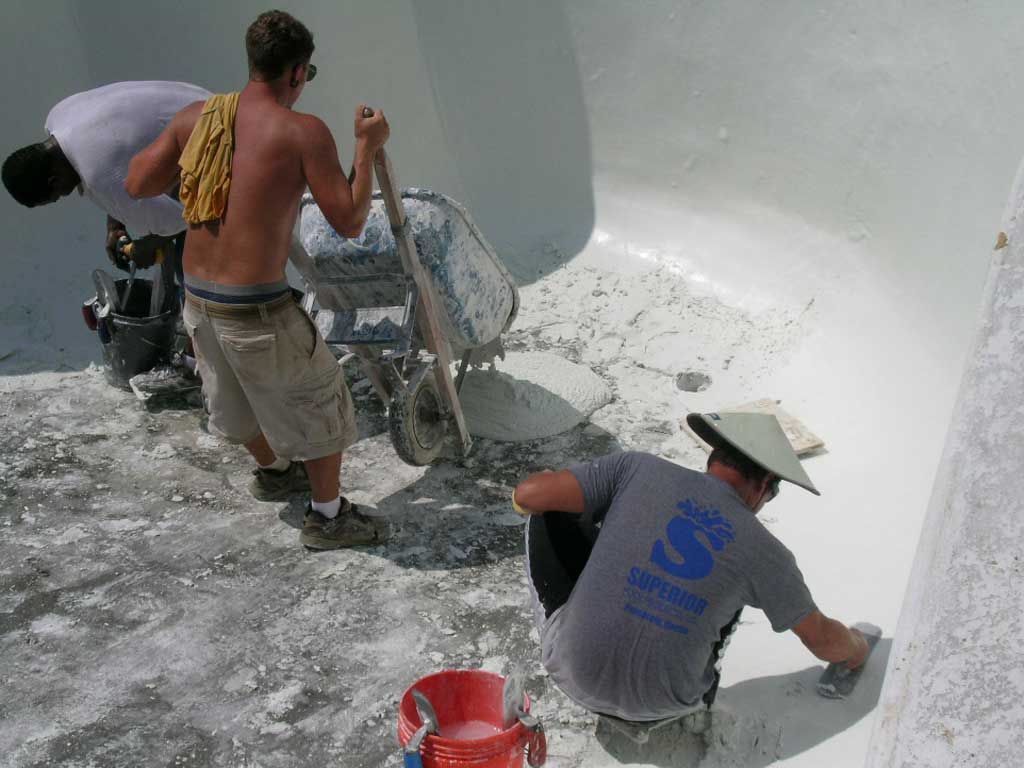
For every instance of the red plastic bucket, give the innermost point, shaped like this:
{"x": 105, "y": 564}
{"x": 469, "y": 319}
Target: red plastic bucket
{"x": 467, "y": 696}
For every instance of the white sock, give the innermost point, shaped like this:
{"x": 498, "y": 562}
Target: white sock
{"x": 328, "y": 509}
{"x": 280, "y": 464}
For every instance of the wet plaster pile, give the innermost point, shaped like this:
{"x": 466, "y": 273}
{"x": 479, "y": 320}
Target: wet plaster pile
{"x": 152, "y": 613}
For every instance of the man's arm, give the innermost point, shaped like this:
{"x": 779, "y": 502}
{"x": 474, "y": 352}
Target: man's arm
{"x": 831, "y": 640}
{"x": 155, "y": 170}
{"x": 549, "y": 492}
{"x": 345, "y": 203}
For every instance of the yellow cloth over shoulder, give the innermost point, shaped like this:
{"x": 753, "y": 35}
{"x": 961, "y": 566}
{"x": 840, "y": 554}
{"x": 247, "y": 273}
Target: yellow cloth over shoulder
{"x": 206, "y": 161}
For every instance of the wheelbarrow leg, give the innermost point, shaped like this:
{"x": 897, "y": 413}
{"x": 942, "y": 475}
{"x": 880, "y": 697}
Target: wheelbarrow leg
{"x": 463, "y": 367}
{"x": 430, "y": 327}
{"x": 368, "y": 361}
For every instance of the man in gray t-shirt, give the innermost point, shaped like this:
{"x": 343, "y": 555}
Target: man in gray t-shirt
{"x": 640, "y": 568}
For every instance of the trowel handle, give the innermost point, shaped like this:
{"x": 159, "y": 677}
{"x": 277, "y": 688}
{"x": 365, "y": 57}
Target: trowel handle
{"x": 536, "y": 740}
{"x": 537, "y": 749}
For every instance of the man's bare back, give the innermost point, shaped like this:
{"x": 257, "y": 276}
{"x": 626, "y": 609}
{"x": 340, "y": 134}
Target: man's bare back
{"x": 277, "y": 154}
{"x": 250, "y": 243}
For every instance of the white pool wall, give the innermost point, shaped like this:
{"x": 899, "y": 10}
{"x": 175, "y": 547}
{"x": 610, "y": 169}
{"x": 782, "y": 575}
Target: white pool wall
{"x": 954, "y": 690}
{"x": 893, "y": 127}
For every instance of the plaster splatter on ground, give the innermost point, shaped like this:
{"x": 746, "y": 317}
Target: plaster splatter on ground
{"x": 152, "y": 613}
{"x": 530, "y": 395}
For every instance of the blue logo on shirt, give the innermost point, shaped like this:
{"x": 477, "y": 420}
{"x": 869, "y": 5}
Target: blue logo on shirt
{"x": 689, "y": 534}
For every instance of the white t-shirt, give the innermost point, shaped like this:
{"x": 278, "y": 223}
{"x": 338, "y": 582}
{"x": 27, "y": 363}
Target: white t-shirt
{"x": 102, "y": 129}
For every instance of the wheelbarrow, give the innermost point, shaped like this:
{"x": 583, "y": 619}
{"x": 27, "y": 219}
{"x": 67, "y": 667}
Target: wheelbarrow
{"x": 418, "y": 287}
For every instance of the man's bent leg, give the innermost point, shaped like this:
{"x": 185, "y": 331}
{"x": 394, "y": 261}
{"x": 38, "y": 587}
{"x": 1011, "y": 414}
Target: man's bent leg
{"x": 231, "y": 412}
{"x": 274, "y": 478}
{"x": 557, "y": 550}
{"x": 260, "y": 450}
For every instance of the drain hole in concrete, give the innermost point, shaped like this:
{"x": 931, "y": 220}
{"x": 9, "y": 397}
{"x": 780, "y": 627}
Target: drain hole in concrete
{"x": 693, "y": 381}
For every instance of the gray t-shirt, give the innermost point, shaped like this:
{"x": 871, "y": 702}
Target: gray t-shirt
{"x": 678, "y": 554}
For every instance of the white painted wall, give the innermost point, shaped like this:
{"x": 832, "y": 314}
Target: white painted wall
{"x": 45, "y": 263}
{"x": 492, "y": 118}
{"x": 889, "y": 125}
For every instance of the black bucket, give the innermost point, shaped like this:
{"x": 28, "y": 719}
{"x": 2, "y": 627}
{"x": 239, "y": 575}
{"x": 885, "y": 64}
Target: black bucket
{"x": 138, "y": 342}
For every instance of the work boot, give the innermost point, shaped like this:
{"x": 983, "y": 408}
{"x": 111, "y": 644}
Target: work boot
{"x": 271, "y": 485}
{"x": 349, "y": 529}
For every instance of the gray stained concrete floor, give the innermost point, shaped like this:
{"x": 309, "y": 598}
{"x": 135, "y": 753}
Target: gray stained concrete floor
{"x": 152, "y": 613}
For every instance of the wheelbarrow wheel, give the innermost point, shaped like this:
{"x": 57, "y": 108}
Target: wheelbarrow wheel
{"x": 417, "y": 423}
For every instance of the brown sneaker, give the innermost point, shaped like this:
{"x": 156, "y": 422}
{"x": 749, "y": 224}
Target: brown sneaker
{"x": 349, "y": 529}
{"x": 268, "y": 485}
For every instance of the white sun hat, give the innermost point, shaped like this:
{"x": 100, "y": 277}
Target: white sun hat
{"x": 759, "y": 437}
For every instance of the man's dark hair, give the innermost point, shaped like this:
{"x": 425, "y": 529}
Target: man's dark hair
{"x": 730, "y": 457}
{"x": 276, "y": 41}
{"x": 26, "y": 174}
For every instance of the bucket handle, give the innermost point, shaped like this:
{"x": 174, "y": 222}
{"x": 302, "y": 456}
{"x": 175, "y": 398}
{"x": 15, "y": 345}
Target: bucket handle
{"x": 536, "y": 741}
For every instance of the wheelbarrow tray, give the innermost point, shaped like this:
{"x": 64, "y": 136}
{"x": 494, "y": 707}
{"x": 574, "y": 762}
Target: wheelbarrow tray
{"x": 477, "y": 297}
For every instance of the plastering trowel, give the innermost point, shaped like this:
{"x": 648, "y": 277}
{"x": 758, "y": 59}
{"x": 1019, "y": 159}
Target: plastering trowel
{"x": 513, "y": 710}
{"x": 105, "y": 303}
{"x": 838, "y": 680}
{"x": 511, "y": 699}
{"x": 106, "y": 290}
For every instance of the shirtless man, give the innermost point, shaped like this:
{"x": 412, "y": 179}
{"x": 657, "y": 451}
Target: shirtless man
{"x": 270, "y": 381}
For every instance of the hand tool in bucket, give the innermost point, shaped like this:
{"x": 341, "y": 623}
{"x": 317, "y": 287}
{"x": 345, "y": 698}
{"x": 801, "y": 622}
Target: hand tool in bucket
{"x": 469, "y": 706}
{"x": 513, "y": 710}
{"x": 511, "y": 699}
{"x": 156, "y": 300}
{"x": 430, "y": 327}
{"x": 106, "y": 302}
{"x": 411, "y": 754}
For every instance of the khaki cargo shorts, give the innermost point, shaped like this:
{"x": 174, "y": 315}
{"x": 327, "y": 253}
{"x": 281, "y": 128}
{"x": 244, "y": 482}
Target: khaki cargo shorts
{"x": 265, "y": 367}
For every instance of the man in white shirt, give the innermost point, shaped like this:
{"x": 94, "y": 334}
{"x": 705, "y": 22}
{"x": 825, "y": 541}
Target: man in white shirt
{"x": 92, "y": 137}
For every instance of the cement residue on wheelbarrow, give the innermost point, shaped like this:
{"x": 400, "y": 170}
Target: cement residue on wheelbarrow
{"x": 529, "y": 396}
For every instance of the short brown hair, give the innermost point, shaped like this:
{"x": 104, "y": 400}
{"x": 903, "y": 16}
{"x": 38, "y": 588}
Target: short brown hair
{"x": 276, "y": 41}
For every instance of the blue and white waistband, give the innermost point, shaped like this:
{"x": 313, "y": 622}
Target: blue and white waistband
{"x": 256, "y": 293}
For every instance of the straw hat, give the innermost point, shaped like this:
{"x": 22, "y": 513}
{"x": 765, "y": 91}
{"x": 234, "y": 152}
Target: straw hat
{"x": 759, "y": 437}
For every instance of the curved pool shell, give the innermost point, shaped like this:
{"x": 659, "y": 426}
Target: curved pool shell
{"x": 783, "y": 200}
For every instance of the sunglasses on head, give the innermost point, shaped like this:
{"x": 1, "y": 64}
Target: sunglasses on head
{"x": 310, "y": 72}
